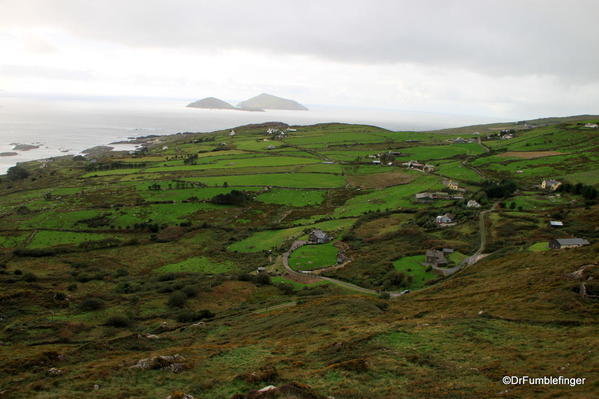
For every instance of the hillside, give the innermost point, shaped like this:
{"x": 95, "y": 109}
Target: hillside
{"x": 210, "y": 103}
{"x": 309, "y": 258}
{"x": 268, "y": 101}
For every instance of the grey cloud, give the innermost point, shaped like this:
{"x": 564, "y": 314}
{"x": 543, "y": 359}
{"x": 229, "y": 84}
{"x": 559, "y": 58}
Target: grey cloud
{"x": 509, "y": 37}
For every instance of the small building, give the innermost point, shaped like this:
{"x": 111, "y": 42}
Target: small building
{"x": 271, "y": 147}
{"x": 318, "y": 237}
{"x": 376, "y": 162}
{"x": 550, "y": 184}
{"x": 232, "y": 133}
{"x": 261, "y": 269}
{"x": 444, "y": 220}
{"x": 423, "y": 196}
{"x": 472, "y": 204}
{"x": 556, "y": 223}
{"x": 452, "y": 185}
{"x": 562, "y": 243}
{"x": 291, "y": 130}
{"x": 591, "y": 125}
{"x": 435, "y": 257}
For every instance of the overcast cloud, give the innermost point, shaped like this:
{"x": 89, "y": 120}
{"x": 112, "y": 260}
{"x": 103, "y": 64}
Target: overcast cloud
{"x": 498, "y": 58}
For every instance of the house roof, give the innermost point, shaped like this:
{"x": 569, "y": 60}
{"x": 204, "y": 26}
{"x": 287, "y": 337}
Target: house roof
{"x": 572, "y": 241}
{"x": 551, "y": 181}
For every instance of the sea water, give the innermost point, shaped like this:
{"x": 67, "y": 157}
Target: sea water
{"x": 67, "y": 126}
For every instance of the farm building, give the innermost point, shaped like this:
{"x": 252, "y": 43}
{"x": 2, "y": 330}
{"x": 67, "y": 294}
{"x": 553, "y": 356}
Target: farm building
{"x": 591, "y": 125}
{"x": 443, "y": 220}
{"x": 556, "y": 223}
{"x": 318, "y": 237}
{"x": 562, "y": 243}
{"x": 472, "y": 204}
{"x": 435, "y": 257}
{"x": 232, "y": 133}
{"x": 550, "y": 184}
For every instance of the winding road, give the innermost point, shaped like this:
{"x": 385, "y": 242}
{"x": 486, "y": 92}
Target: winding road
{"x": 445, "y": 272}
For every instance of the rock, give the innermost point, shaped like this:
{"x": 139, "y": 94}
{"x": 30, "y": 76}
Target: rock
{"x": 267, "y": 388}
{"x": 8, "y": 154}
{"x": 53, "y": 372}
{"x": 24, "y": 147}
{"x": 198, "y": 324}
{"x": 179, "y": 395}
{"x": 175, "y": 363}
{"x": 96, "y": 387}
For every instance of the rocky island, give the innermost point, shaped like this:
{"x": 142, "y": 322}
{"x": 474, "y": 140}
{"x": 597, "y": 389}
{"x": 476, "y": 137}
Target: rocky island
{"x": 257, "y": 104}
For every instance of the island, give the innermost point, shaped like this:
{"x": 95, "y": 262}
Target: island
{"x": 210, "y": 103}
{"x": 268, "y": 101}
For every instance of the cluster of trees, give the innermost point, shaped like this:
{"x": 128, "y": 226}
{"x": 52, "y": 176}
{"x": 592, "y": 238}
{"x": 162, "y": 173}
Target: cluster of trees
{"x": 235, "y": 197}
{"x": 588, "y": 192}
{"x": 191, "y": 159}
{"x": 92, "y": 167}
{"x": 503, "y": 189}
{"x": 17, "y": 173}
{"x": 177, "y": 185}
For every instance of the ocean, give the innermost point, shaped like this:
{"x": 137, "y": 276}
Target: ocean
{"x": 63, "y": 126}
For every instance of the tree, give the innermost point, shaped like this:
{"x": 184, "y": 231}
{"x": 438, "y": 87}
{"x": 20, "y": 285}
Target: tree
{"x": 178, "y": 299}
{"x": 17, "y": 173}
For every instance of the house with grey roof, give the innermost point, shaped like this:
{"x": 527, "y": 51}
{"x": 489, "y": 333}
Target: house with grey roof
{"x": 562, "y": 243}
{"x": 318, "y": 237}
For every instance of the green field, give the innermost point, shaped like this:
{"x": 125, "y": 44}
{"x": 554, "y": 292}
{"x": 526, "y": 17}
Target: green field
{"x": 293, "y": 180}
{"x": 197, "y": 264}
{"x": 412, "y": 266}
{"x": 272, "y": 239}
{"x": 292, "y": 197}
{"x": 389, "y": 198}
{"x": 311, "y": 257}
{"x": 43, "y": 239}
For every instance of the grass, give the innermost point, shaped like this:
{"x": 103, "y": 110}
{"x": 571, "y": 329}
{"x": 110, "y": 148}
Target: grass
{"x": 311, "y": 257}
{"x": 456, "y": 170}
{"x": 412, "y": 266}
{"x": 43, "y": 239}
{"x": 273, "y": 239}
{"x": 197, "y": 264}
{"x": 292, "y": 197}
{"x": 295, "y": 284}
{"x": 389, "y": 198}
{"x": 292, "y": 180}
{"x": 539, "y": 247}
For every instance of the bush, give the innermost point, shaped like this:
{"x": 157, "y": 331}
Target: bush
{"x": 121, "y": 273}
{"x": 177, "y": 299}
{"x": 91, "y": 304}
{"x": 29, "y": 277}
{"x": 263, "y": 279}
{"x": 190, "y": 291}
{"x": 167, "y": 277}
{"x": 118, "y": 321}
{"x": 188, "y": 316}
{"x": 17, "y": 173}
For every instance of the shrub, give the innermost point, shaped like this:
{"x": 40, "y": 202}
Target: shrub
{"x": 118, "y": 321}
{"x": 167, "y": 277}
{"x": 188, "y": 316}
{"x": 29, "y": 277}
{"x": 121, "y": 273}
{"x": 18, "y": 272}
{"x": 190, "y": 291}
{"x": 17, "y": 173}
{"x": 91, "y": 304}
{"x": 177, "y": 299}
{"x": 263, "y": 279}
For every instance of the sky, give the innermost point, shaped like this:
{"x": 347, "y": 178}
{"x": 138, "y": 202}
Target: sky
{"x": 508, "y": 59}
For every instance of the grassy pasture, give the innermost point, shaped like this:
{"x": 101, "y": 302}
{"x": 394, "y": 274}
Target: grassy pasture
{"x": 390, "y": 198}
{"x": 311, "y": 257}
{"x": 293, "y": 180}
{"x": 412, "y": 266}
{"x": 269, "y": 239}
{"x": 196, "y": 264}
{"x": 456, "y": 170}
{"x": 43, "y": 239}
{"x": 292, "y": 197}
{"x": 427, "y": 153}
